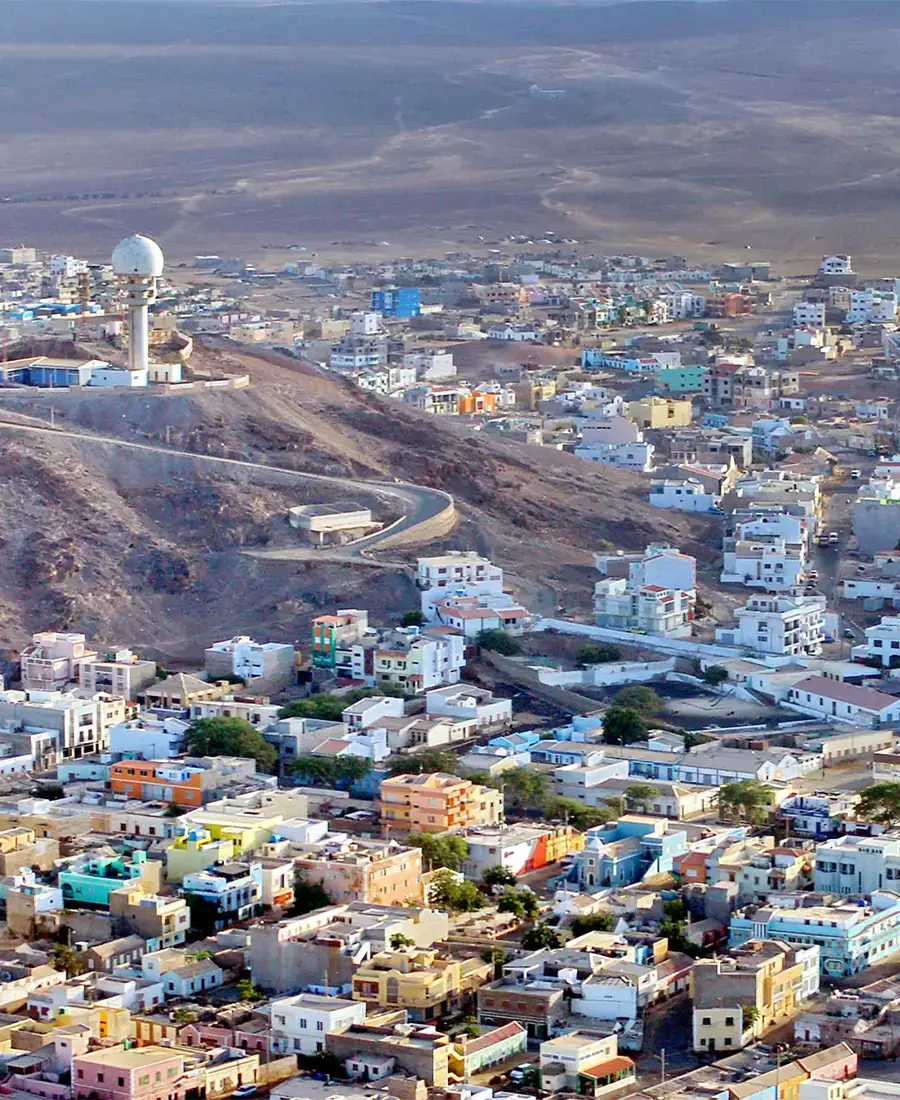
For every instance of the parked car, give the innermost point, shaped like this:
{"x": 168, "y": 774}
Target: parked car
{"x": 856, "y": 474}
{"x": 833, "y": 537}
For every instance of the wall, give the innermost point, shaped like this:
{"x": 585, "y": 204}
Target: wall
{"x": 600, "y": 675}
{"x": 527, "y": 676}
{"x": 676, "y": 647}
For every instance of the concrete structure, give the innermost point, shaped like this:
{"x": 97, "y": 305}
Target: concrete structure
{"x": 426, "y": 985}
{"x": 771, "y": 977}
{"x": 300, "y": 1024}
{"x": 374, "y": 871}
{"x": 469, "y": 1056}
{"x": 330, "y": 519}
{"x": 436, "y": 803}
{"x": 518, "y": 848}
{"x": 270, "y": 663}
{"x": 460, "y": 573}
{"x": 90, "y": 881}
{"x": 331, "y": 631}
{"x": 850, "y": 936}
{"x": 858, "y": 865}
{"x": 138, "y": 263}
{"x": 118, "y": 672}
{"x": 468, "y": 703}
{"x": 647, "y": 608}
{"x": 661, "y": 412}
{"x": 586, "y": 1063}
{"x": 53, "y": 660}
{"x": 841, "y": 702}
{"x": 780, "y": 625}
{"x": 883, "y": 642}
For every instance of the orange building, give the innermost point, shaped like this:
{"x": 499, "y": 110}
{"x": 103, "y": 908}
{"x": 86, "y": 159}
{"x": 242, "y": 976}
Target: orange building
{"x": 436, "y": 803}
{"x": 158, "y": 780}
{"x": 475, "y": 402}
{"x": 380, "y": 872}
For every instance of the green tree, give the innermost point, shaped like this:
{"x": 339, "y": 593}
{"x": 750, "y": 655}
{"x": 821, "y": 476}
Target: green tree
{"x": 675, "y": 909}
{"x": 880, "y": 803}
{"x": 231, "y": 737}
{"x": 455, "y": 897}
{"x": 498, "y": 876}
{"x": 399, "y": 941}
{"x": 747, "y": 800}
{"x": 497, "y": 957}
{"x": 247, "y": 991}
{"x": 184, "y": 1016}
{"x": 522, "y": 903}
{"x": 750, "y": 1014}
{"x": 524, "y": 789}
{"x": 308, "y": 896}
{"x": 640, "y": 698}
{"x": 623, "y": 725}
{"x": 68, "y": 960}
{"x": 692, "y": 739}
{"x": 539, "y": 937}
{"x": 598, "y": 654}
{"x": 441, "y": 850}
{"x": 322, "y": 706}
{"x": 715, "y": 675}
{"x": 639, "y": 796}
{"x": 593, "y": 922}
{"x": 413, "y": 618}
{"x": 330, "y": 771}
{"x": 498, "y": 641}
{"x": 426, "y": 763}
{"x": 576, "y": 813}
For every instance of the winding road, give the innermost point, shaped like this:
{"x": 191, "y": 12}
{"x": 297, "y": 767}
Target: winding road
{"x": 425, "y": 511}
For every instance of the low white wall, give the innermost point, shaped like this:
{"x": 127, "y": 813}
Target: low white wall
{"x": 677, "y": 647}
{"x": 600, "y": 675}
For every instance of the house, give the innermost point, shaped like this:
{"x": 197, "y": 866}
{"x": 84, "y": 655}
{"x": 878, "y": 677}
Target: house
{"x": 139, "y": 1073}
{"x": 519, "y": 848}
{"x": 351, "y": 869}
{"x": 586, "y": 1063}
{"x": 649, "y": 609}
{"x": 842, "y": 702}
{"x": 469, "y": 1056}
{"x": 90, "y": 880}
{"x": 300, "y": 1024}
{"x": 180, "y": 975}
{"x": 661, "y": 412}
{"x": 270, "y": 665}
{"x": 53, "y": 660}
{"x": 789, "y": 626}
{"x": 624, "y": 853}
{"x": 161, "y": 921}
{"x": 427, "y": 985}
{"x": 857, "y": 865}
{"x": 224, "y": 894}
{"x": 682, "y": 494}
{"x": 119, "y": 672}
{"x": 436, "y": 803}
{"x": 180, "y": 691}
{"x": 769, "y": 976}
{"x": 468, "y": 702}
{"x": 331, "y": 632}
{"x": 386, "y": 1043}
{"x": 883, "y": 642}
{"x": 850, "y": 936}
{"x": 125, "y": 951}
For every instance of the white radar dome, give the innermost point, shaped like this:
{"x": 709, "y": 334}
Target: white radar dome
{"x": 137, "y": 255}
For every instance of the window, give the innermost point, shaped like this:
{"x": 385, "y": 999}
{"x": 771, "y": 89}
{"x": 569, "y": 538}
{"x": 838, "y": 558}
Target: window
{"x": 120, "y": 1081}
{"x": 706, "y": 1021}
{"x": 99, "y": 1076}
{"x": 145, "y": 1080}
{"x": 320, "y": 1026}
{"x": 729, "y": 1021}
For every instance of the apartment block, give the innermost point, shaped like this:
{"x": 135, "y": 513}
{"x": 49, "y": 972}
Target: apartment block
{"x": 118, "y": 672}
{"x": 91, "y": 880}
{"x": 462, "y": 573}
{"x": 770, "y": 976}
{"x": 850, "y": 937}
{"x": 188, "y": 784}
{"x": 53, "y": 660}
{"x": 789, "y": 626}
{"x": 162, "y": 921}
{"x": 427, "y": 985}
{"x": 223, "y": 895}
{"x": 300, "y": 1024}
{"x": 649, "y": 608}
{"x": 436, "y": 803}
{"x": 858, "y": 865}
{"x": 376, "y": 871}
{"x": 269, "y": 664}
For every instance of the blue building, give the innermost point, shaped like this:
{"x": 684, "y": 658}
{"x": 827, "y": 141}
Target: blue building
{"x": 851, "y": 935}
{"x": 627, "y": 852}
{"x": 399, "y": 302}
{"x": 46, "y": 372}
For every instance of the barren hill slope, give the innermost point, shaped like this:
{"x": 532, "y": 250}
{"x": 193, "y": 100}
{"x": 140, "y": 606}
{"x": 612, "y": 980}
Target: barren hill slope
{"x": 149, "y": 549}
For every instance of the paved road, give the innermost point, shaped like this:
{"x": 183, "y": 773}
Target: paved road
{"x": 420, "y": 504}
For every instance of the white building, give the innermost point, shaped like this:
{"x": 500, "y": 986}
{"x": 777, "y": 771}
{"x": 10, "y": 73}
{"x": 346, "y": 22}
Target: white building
{"x": 365, "y": 323}
{"x": 459, "y": 573}
{"x": 662, "y": 565}
{"x": 871, "y": 306}
{"x": 687, "y": 495}
{"x": 778, "y": 625}
{"x": 842, "y": 702}
{"x": 430, "y": 365}
{"x": 148, "y": 737}
{"x": 466, "y": 702}
{"x": 649, "y": 608}
{"x": 119, "y": 672}
{"x": 857, "y": 865}
{"x": 616, "y": 441}
{"x": 836, "y": 265}
{"x": 883, "y": 641}
{"x": 770, "y": 563}
{"x": 300, "y": 1024}
{"x": 472, "y": 614}
{"x": 809, "y": 313}
{"x": 247, "y": 659}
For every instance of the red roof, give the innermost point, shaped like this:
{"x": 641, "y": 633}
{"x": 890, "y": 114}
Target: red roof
{"x": 611, "y": 1065}
{"x": 498, "y": 1035}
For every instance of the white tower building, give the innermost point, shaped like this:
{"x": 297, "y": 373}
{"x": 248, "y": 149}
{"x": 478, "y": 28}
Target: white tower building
{"x": 138, "y": 262}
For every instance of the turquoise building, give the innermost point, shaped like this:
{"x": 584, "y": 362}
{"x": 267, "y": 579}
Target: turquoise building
{"x": 92, "y": 882}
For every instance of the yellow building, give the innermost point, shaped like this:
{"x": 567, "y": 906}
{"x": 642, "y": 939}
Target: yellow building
{"x": 195, "y": 851}
{"x": 661, "y": 412}
{"x": 436, "y": 803}
{"x": 737, "y": 999}
{"x": 246, "y": 830}
{"x": 426, "y": 985}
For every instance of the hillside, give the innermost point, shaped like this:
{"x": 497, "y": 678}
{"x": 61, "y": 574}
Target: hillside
{"x": 157, "y": 551}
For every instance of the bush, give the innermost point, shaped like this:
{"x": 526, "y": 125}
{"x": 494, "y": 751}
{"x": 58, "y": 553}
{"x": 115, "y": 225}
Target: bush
{"x": 498, "y": 641}
{"x": 715, "y": 675}
{"x": 623, "y": 725}
{"x": 231, "y": 737}
{"x": 597, "y": 654}
{"x": 642, "y": 699}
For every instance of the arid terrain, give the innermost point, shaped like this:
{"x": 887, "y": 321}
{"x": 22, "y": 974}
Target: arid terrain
{"x": 246, "y": 128}
{"x": 159, "y": 552}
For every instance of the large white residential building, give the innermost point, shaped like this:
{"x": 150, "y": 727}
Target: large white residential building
{"x": 687, "y": 495}
{"x": 616, "y": 441}
{"x": 467, "y": 702}
{"x": 871, "y": 306}
{"x": 809, "y": 313}
{"x": 241, "y": 656}
{"x": 650, "y": 608}
{"x": 300, "y": 1024}
{"x": 836, "y": 265}
{"x": 768, "y": 562}
{"x": 61, "y": 726}
{"x": 119, "y": 672}
{"x": 54, "y": 660}
{"x": 842, "y": 702}
{"x": 858, "y": 865}
{"x": 778, "y": 625}
{"x": 662, "y": 565}
{"x": 458, "y": 573}
{"x": 883, "y": 641}
{"x": 429, "y": 365}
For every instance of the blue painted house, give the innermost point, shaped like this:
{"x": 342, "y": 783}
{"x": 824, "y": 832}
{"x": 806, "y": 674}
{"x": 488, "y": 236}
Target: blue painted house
{"x": 627, "y": 852}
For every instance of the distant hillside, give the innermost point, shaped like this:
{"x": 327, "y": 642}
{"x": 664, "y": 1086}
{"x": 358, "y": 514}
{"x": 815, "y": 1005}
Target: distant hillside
{"x": 149, "y": 550}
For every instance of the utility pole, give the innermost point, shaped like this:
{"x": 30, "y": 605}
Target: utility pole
{"x": 52, "y": 417}
{"x": 662, "y": 1065}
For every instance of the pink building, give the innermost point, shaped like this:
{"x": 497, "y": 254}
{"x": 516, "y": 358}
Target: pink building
{"x": 143, "y": 1073}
